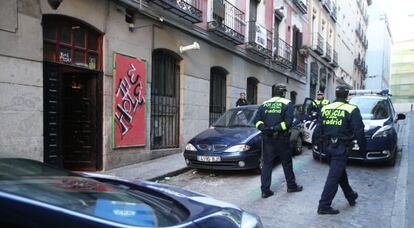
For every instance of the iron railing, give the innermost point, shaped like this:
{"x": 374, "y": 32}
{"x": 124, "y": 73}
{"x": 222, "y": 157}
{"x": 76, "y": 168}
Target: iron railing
{"x": 283, "y": 53}
{"x": 187, "y": 9}
{"x": 318, "y": 42}
{"x": 328, "y": 53}
{"x": 333, "y": 13}
{"x": 327, "y": 5}
{"x": 335, "y": 59}
{"x": 165, "y": 122}
{"x": 228, "y": 22}
{"x": 215, "y": 112}
{"x": 301, "y": 4}
{"x": 260, "y": 40}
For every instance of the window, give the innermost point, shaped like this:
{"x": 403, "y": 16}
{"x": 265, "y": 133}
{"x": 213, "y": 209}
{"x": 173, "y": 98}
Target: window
{"x": 165, "y": 98}
{"x": 71, "y": 42}
{"x": 252, "y": 90}
{"x": 217, "y": 93}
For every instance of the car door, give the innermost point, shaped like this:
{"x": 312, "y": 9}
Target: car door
{"x": 309, "y": 122}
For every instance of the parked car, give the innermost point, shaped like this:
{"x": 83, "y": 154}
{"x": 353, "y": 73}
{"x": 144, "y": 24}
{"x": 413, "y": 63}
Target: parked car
{"x": 232, "y": 142}
{"x": 381, "y": 127}
{"x": 33, "y": 194}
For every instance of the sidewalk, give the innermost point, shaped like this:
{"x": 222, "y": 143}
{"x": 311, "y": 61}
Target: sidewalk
{"x": 149, "y": 170}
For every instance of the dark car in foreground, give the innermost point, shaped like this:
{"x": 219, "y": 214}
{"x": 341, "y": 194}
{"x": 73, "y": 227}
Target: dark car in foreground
{"x": 233, "y": 142}
{"x": 33, "y": 194}
{"x": 381, "y": 127}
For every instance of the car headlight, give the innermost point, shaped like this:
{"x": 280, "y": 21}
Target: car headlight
{"x": 238, "y": 148}
{"x": 250, "y": 221}
{"x": 190, "y": 147}
{"x": 383, "y": 132}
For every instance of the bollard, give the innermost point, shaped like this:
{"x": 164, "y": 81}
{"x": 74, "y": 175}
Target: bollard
{"x": 411, "y": 107}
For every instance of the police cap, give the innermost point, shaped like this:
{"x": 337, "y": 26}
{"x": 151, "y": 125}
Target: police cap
{"x": 342, "y": 91}
{"x": 279, "y": 89}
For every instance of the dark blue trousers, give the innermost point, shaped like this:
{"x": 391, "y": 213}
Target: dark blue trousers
{"x": 337, "y": 158}
{"x": 272, "y": 148}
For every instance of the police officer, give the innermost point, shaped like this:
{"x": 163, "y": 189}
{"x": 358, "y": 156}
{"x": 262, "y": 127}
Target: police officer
{"x": 338, "y": 124}
{"x": 319, "y": 102}
{"x": 274, "y": 118}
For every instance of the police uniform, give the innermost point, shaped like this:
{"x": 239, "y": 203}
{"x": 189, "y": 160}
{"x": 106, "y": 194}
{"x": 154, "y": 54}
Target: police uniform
{"x": 318, "y": 104}
{"x": 274, "y": 118}
{"x": 338, "y": 124}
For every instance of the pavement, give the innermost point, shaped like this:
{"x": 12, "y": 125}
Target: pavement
{"x": 400, "y": 209}
{"x": 170, "y": 165}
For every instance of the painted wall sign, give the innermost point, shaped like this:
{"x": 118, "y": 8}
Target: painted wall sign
{"x": 129, "y": 101}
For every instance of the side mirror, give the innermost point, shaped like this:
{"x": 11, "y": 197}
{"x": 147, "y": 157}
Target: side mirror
{"x": 400, "y": 116}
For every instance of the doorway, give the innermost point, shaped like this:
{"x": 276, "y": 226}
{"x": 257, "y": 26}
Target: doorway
{"x": 72, "y": 120}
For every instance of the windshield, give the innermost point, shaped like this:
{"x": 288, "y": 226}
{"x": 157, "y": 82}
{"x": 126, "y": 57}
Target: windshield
{"x": 242, "y": 117}
{"x": 372, "y": 108}
{"x": 40, "y": 182}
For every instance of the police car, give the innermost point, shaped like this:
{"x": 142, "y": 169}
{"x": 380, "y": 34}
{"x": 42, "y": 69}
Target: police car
{"x": 381, "y": 127}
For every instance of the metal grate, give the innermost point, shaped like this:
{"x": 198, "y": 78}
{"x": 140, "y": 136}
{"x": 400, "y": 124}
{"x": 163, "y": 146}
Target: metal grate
{"x": 217, "y": 94}
{"x": 165, "y": 100}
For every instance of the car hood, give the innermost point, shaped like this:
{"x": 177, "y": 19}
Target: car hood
{"x": 201, "y": 207}
{"x": 371, "y": 126}
{"x": 226, "y": 136}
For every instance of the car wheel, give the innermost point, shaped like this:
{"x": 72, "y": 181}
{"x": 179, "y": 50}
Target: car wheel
{"x": 391, "y": 162}
{"x": 258, "y": 170}
{"x": 298, "y": 146}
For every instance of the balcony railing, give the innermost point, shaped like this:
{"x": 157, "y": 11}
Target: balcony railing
{"x": 301, "y": 4}
{"x": 260, "y": 40}
{"x": 283, "y": 53}
{"x": 334, "y": 62}
{"x": 301, "y": 65}
{"x": 327, "y": 5}
{"x": 328, "y": 53}
{"x": 333, "y": 13}
{"x": 318, "y": 43}
{"x": 187, "y": 9}
{"x": 228, "y": 22}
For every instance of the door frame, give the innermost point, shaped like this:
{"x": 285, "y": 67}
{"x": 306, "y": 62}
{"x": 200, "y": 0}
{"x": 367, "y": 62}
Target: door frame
{"x": 60, "y": 68}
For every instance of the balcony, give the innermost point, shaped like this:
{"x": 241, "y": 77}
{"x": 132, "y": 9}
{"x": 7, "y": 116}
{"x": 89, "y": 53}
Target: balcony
{"x": 333, "y": 13}
{"x": 317, "y": 44}
{"x": 283, "y": 54}
{"x": 301, "y": 4}
{"x": 327, "y": 5}
{"x": 334, "y": 62}
{"x": 187, "y": 9}
{"x": 228, "y": 22}
{"x": 328, "y": 53}
{"x": 260, "y": 40}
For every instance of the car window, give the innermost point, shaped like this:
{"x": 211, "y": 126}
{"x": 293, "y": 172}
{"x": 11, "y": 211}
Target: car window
{"x": 242, "y": 117}
{"x": 57, "y": 187}
{"x": 372, "y": 108}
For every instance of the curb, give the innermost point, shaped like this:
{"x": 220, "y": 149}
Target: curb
{"x": 170, "y": 174}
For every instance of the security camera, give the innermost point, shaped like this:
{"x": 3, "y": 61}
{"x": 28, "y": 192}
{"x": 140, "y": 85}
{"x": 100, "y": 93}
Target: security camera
{"x": 193, "y": 46}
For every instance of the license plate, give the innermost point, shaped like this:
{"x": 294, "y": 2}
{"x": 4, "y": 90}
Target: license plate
{"x": 208, "y": 158}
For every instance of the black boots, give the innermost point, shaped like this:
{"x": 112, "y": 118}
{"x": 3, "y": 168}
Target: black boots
{"x": 328, "y": 211}
{"x": 267, "y": 194}
{"x": 352, "y": 199}
{"x": 298, "y": 188}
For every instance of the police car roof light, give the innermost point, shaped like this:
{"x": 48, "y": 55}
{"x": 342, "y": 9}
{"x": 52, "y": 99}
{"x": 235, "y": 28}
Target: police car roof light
{"x": 384, "y": 92}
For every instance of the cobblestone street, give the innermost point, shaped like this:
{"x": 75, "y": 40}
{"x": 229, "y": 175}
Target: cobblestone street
{"x": 381, "y": 192}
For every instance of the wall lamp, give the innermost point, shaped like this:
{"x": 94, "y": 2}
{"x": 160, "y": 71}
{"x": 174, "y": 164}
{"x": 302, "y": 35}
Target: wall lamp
{"x": 194, "y": 46}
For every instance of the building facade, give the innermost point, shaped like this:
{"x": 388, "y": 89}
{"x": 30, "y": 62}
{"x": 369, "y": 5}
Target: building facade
{"x": 402, "y": 75}
{"x": 379, "y": 51}
{"x": 95, "y": 85}
{"x": 352, "y": 42}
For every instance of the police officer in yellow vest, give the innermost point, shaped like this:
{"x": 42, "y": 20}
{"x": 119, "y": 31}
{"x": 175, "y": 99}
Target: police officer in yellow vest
{"x": 274, "y": 119}
{"x": 319, "y": 102}
{"x": 338, "y": 124}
